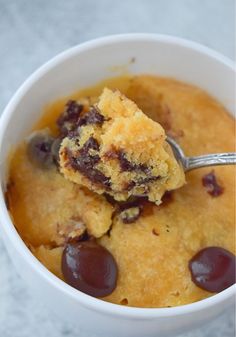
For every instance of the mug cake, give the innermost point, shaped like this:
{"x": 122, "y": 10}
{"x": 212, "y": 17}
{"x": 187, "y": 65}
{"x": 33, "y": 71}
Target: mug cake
{"x": 99, "y": 198}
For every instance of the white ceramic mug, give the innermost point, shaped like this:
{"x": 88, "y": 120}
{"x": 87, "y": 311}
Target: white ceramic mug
{"x": 72, "y": 70}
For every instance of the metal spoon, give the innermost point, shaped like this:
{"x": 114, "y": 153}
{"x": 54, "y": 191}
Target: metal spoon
{"x": 191, "y": 163}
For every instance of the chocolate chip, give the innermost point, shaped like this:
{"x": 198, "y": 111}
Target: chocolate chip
{"x": 89, "y": 268}
{"x": 110, "y": 199}
{"x": 90, "y": 144}
{"x": 84, "y": 162}
{"x": 132, "y": 201}
{"x": 73, "y": 110}
{"x": 93, "y": 116}
{"x": 130, "y": 215}
{"x": 131, "y": 209}
{"x": 69, "y": 118}
{"x": 121, "y": 206}
{"x": 211, "y": 184}
{"x": 140, "y": 182}
{"x": 146, "y": 180}
{"x": 126, "y": 165}
{"x": 39, "y": 149}
{"x": 213, "y": 269}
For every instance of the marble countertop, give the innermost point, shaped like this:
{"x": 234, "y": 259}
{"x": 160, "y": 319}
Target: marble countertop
{"x": 34, "y": 31}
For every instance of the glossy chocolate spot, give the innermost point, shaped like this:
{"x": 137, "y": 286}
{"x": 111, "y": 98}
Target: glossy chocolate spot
{"x": 39, "y": 150}
{"x": 89, "y": 268}
{"x": 213, "y": 188}
{"x": 68, "y": 120}
{"x": 93, "y": 116}
{"x": 213, "y": 269}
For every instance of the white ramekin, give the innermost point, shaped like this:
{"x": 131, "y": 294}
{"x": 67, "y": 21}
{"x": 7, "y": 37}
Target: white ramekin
{"x": 76, "y": 68}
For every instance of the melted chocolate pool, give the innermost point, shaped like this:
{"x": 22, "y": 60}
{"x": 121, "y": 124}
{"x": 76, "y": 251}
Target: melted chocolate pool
{"x": 213, "y": 269}
{"x": 89, "y": 268}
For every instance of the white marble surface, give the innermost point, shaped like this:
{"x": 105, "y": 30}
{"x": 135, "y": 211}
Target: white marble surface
{"x": 31, "y": 32}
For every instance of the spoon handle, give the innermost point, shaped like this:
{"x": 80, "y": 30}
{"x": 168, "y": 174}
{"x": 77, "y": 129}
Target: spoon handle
{"x": 209, "y": 160}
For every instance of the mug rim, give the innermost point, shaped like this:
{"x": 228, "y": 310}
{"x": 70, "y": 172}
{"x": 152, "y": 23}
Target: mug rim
{"x": 10, "y": 230}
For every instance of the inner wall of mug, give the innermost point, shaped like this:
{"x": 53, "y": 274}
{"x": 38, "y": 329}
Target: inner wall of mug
{"x": 88, "y": 64}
